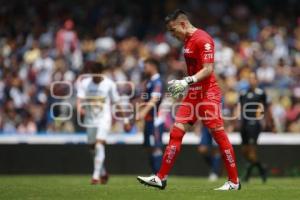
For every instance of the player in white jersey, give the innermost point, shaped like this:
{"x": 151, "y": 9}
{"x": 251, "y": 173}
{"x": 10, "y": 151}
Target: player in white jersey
{"x": 95, "y": 93}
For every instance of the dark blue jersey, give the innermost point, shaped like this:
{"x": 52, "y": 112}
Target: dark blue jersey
{"x": 154, "y": 87}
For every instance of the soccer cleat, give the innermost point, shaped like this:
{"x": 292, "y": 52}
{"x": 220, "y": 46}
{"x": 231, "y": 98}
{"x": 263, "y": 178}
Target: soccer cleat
{"x": 228, "y": 185}
{"x": 104, "y": 179}
{"x": 153, "y": 181}
{"x": 95, "y": 181}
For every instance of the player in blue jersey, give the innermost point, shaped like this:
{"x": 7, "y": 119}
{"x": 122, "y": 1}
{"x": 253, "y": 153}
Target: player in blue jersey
{"x": 152, "y": 99}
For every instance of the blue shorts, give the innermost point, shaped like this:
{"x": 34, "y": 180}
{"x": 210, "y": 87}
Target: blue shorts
{"x": 206, "y": 139}
{"x": 153, "y": 135}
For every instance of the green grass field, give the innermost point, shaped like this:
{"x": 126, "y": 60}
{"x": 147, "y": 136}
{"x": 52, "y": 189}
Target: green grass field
{"x": 126, "y": 187}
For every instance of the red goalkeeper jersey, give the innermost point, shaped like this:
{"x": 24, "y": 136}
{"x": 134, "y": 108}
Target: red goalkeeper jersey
{"x": 198, "y": 50}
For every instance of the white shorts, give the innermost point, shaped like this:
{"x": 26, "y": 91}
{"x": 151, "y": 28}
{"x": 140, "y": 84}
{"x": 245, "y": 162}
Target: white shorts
{"x": 96, "y": 133}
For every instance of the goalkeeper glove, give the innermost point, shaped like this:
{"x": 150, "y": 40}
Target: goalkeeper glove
{"x": 177, "y": 87}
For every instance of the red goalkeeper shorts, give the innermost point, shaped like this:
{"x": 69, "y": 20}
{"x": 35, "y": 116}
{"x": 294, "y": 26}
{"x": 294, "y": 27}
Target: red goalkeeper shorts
{"x": 201, "y": 105}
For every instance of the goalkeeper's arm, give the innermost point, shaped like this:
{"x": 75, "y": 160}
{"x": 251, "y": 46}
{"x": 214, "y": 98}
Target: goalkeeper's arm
{"x": 200, "y": 75}
{"x": 178, "y": 86}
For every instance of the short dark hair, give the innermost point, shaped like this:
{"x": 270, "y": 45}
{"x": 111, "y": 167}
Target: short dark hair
{"x": 153, "y": 62}
{"x": 173, "y": 15}
{"x": 94, "y": 67}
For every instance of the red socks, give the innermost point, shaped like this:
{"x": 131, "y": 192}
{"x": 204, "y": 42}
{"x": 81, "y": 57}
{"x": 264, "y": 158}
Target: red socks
{"x": 227, "y": 153}
{"x": 171, "y": 152}
{"x": 174, "y": 146}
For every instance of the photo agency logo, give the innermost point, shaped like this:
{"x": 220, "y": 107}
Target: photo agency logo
{"x": 92, "y": 106}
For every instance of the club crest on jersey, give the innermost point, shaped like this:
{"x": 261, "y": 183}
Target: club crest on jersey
{"x": 207, "y": 47}
{"x": 187, "y": 51}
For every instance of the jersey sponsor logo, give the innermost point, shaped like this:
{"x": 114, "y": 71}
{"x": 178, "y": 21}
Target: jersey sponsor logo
{"x": 96, "y": 106}
{"x": 92, "y": 92}
{"x": 250, "y": 95}
{"x": 187, "y": 51}
{"x": 208, "y": 56}
{"x": 196, "y": 88}
{"x": 207, "y": 47}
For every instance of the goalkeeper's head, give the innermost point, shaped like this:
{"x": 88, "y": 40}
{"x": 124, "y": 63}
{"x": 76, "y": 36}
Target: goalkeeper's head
{"x": 178, "y": 24}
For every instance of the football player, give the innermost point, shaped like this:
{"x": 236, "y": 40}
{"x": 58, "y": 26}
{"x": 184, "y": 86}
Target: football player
{"x": 202, "y": 101}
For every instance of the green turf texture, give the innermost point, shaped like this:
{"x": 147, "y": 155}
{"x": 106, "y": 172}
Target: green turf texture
{"x": 126, "y": 187}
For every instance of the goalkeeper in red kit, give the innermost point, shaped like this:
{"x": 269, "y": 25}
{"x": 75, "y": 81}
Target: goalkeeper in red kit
{"x": 202, "y": 101}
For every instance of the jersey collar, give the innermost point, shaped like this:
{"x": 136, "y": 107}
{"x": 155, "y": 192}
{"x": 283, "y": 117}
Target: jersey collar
{"x": 190, "y": 36}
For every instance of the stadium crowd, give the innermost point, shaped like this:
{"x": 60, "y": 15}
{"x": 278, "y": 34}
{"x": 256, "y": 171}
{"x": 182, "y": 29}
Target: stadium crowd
{"x": 52, "y": 41}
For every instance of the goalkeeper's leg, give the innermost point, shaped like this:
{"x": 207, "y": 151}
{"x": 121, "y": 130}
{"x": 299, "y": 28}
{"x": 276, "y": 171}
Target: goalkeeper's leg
{"x": 211, "y": 117}
{"x": 184, "y": 117}
{"x": 169, "y": 157}
{"x": 172, "y": 150}
{"x": 227, "y": 153}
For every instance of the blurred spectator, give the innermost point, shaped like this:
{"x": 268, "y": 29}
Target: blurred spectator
{"x": 67, "y": 44}
{"x": 27, "y": 125}
{"x": 66, "y": 39}
{"x": 43, "y": 67}
{"x": 33, "y": 53}
{"x": 265, "y": 75}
